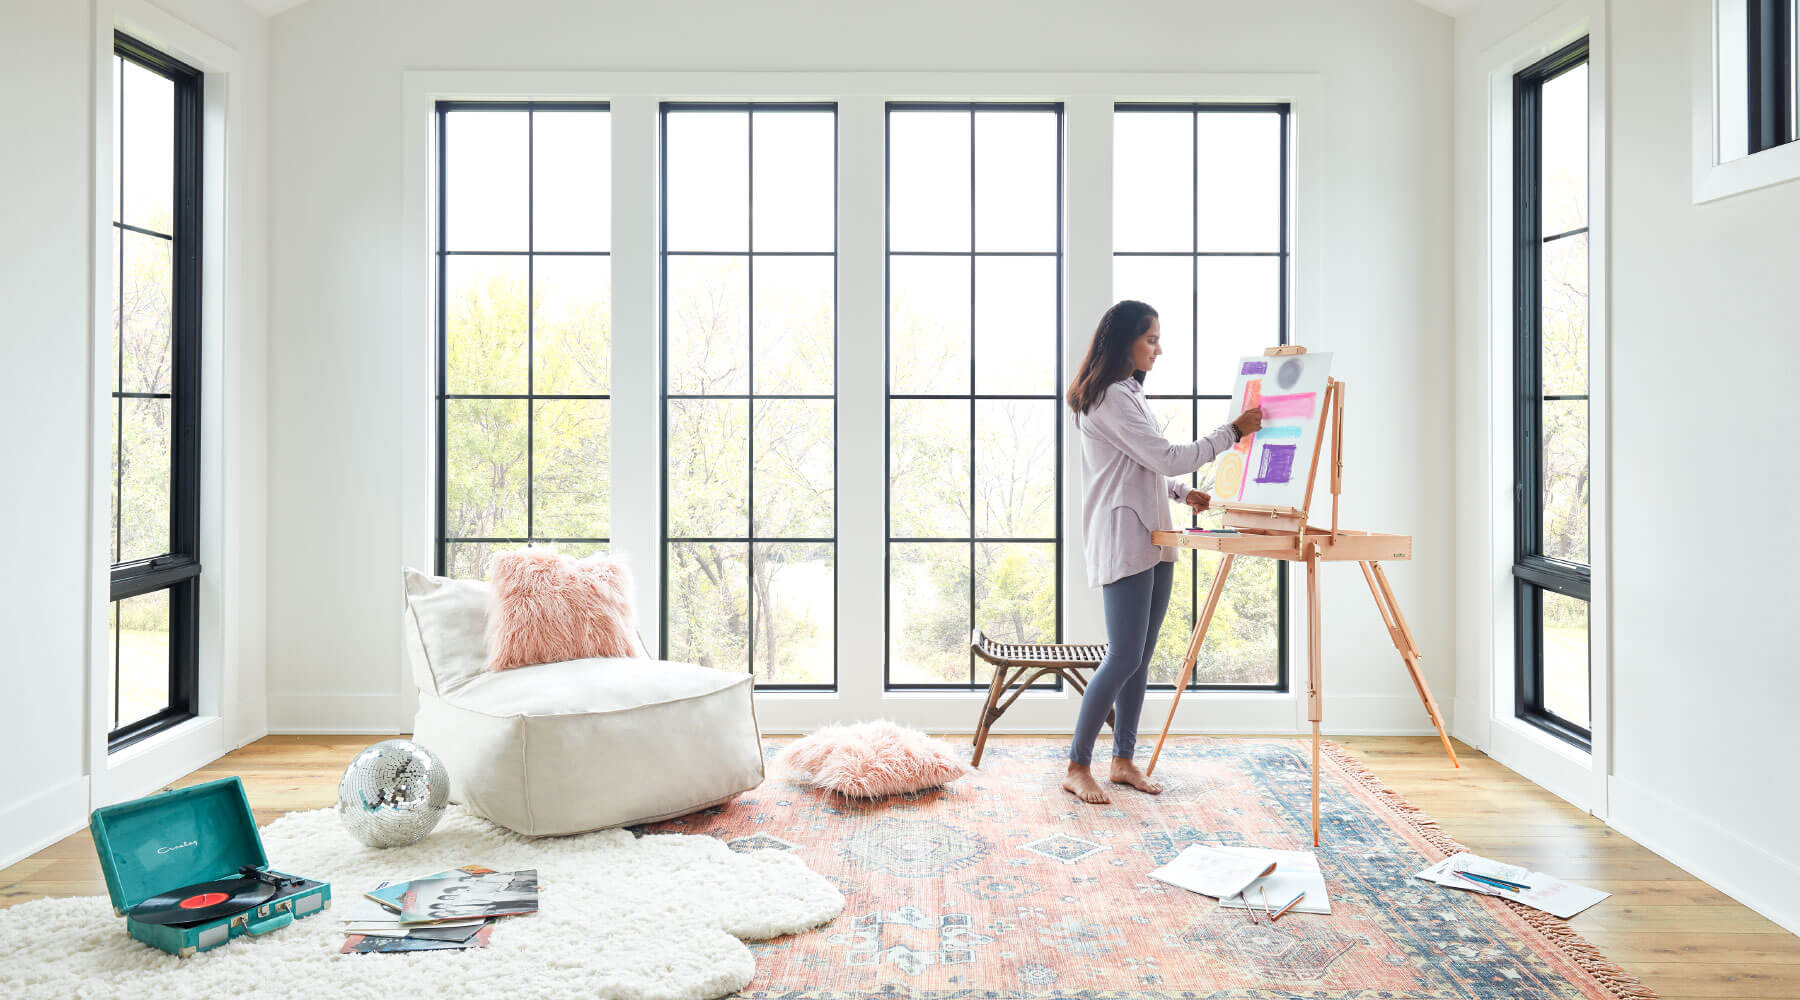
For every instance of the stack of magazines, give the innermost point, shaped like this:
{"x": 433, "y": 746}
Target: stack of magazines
{"x": 450, "y": 910}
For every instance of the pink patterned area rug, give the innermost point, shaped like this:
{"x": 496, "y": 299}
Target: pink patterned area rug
{"x": 1004, "y": 887}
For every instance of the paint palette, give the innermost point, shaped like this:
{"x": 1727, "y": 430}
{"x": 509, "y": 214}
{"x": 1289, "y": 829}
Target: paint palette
{"x": 1271, "y": 465}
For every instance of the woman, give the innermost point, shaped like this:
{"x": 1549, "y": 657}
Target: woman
{"x": 1131, "y": 474}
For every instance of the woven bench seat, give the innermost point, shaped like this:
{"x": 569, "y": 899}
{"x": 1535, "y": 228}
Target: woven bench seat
{"x": 1018, "y": 665}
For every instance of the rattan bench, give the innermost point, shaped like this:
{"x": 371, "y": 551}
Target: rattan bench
{"x": 1014, "y": 660}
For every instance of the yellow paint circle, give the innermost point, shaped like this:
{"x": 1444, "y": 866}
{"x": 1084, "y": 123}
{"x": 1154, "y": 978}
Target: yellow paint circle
{"x": 1230, "y": 478}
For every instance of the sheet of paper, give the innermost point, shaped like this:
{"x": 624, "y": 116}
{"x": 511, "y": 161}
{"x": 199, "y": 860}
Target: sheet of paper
{"x": 1296, "y": 872}
{"x": 1546, "y": 892}
{"x": 1210, "y": 871}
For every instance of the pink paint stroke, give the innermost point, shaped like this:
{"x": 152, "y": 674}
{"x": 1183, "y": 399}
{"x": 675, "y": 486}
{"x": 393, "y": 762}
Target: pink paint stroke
{"x": 1298, "y": 406}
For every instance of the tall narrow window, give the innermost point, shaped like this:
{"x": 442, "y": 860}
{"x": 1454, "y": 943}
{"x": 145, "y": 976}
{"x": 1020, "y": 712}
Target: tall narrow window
{"x": 153, "y": 622}
{"x": 524, "y": 330}
{"x": 975, "y": 367}
{"x": 1550, "y": 568}
{"x": 749, "y": 390}
{"x": 1200, "y": 233}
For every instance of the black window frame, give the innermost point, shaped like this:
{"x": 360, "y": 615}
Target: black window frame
{"x": 1769, "y": 63}
{"x": 442, "y": 541}
{"x": 178, "y": 570}
{"x": 750, "y": 253}
{"x": 1533, "y": 572}
{"x": 973, "y": 396}
{"x": 1284, "y": 254}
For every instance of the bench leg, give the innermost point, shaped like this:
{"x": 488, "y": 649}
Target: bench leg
{"x": 981, "y": 729}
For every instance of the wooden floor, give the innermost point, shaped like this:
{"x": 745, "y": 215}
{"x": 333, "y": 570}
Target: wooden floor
{"x": 1681, "y": 936}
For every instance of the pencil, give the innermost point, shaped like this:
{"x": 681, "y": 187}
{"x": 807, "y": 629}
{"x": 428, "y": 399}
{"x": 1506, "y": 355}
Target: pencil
{"x": 1288, "y": 907}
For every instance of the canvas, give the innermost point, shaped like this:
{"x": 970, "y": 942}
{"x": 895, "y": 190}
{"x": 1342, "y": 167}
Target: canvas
{"x": 1271, "y": 466}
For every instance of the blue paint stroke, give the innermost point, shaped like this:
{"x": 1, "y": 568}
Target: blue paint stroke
{"x": 1285, "y": 431}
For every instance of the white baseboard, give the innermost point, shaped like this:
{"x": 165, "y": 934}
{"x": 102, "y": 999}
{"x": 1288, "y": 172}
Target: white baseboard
{"x": 1748, "y": 873}
{"x": 1469, "y": 722}
{"x": 1545, "y": 761}
{"x": 42, "y": 820}
{"x": 1372, "y": 715}
{"x": 380, "y": 714}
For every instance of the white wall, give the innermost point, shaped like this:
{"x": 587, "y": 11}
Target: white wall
{"x": 54, "y": 609}
{"x": 1705, "y": 673}
{"x": 342, "y": 348}
{"x": 1703, "y": 677}
{"x": 44, "y": 405}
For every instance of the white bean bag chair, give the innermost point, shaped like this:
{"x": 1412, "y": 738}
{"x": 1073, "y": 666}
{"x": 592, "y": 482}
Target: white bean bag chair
{"x": 566, "y": 747}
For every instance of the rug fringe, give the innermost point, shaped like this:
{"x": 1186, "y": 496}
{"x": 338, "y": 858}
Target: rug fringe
{"x": 1618, "y": 983}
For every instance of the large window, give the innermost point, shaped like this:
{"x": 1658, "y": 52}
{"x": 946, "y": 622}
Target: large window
{"x": 1200, "y": 233}
{"x": 153, "y": 622}
{"x": 524, "y": 330}
{"x": 749, "y": 389}
{"x": 974, "y": 336}
{"x": 1550, "y": 568}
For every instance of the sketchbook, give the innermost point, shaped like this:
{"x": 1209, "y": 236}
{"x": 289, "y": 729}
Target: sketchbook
{"x": 1295, "y": 872}
{"x": 1211, "y": 871}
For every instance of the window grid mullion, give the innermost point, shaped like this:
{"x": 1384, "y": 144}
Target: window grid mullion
{"x": 530, "y": 323}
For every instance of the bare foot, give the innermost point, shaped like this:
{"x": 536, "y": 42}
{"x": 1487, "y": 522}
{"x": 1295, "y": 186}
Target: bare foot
{"x": 1081, "y": 783}
{"x": 1125, "y": 772}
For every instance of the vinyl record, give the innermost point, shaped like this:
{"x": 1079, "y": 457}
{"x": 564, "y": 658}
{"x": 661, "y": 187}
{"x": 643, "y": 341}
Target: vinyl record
{"x": 206, "y": 901}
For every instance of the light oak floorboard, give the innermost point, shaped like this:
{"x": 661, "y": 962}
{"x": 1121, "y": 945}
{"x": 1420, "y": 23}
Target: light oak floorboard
{"x": 1684, "y": 938}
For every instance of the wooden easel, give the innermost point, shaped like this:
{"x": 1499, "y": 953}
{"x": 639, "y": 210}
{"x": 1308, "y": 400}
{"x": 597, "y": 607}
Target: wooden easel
{"x": 1283, "y": 533}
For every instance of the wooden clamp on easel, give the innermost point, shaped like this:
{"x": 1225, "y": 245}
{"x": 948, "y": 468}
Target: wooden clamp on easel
{"x": 1283, "y": 533}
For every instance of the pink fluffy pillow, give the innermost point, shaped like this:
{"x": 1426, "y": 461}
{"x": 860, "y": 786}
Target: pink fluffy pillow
{"x": 873, "y": 759}
{"x": 547, "y": 608}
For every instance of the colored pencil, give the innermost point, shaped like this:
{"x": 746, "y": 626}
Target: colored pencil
{"x": 1288, "y": 907}
{"x": 1490, "y": 883}
{"x": 1496, "y": 880}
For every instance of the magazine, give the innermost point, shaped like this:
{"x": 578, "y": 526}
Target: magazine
{"x": 491, "y": 895}
{"x": 416, "y": 941}
{"x": 388, "y": 893}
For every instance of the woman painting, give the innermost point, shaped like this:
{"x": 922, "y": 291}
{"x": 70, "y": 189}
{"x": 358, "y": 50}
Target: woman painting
{"x": 1131, "y": 474}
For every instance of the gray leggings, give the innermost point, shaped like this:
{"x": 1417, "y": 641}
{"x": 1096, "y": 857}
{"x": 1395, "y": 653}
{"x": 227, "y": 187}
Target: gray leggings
{"x": 1134, "y": 615}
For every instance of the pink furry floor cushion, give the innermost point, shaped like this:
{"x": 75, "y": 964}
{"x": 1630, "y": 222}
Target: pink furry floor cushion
{"x": 547, "y": 608}
{"x": 873, "y": 759}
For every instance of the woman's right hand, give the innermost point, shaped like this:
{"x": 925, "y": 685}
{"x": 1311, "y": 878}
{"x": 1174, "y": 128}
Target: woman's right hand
{"x": 1248, "y": 422}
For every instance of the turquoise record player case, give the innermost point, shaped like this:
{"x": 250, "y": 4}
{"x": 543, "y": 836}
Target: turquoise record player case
{"x": 186, "y": 837}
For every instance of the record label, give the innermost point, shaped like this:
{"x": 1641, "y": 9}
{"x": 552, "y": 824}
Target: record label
{"x": 204, "y": 899}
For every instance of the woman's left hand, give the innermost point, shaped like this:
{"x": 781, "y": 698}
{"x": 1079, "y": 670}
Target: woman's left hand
{"x": 1198, "y": 500}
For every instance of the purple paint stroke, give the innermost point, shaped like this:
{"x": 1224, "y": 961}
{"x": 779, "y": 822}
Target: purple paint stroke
{"x": 1298, "y": 406}
{"x": 1254, "y": 368}
{"x": 1277, "y": 463}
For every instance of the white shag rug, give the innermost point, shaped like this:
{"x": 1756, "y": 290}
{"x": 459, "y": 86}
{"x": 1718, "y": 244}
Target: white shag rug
{"x": 621, "y": 918}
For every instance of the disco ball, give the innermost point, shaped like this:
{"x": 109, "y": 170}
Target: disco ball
{"x": 393, "y": 793}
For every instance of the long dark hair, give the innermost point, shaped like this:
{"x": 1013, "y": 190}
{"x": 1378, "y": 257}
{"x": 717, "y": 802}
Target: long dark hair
{"x": 1109, "y": 353}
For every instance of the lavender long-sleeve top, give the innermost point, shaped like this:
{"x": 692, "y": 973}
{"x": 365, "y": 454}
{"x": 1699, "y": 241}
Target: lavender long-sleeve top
{"x": 1132, "y": 472}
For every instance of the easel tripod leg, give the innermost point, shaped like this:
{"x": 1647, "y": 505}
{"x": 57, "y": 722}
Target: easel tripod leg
{"x": 1193, "y": 653}
{"x": 1315, "y": 675}
{"x": 1389, "y": 606}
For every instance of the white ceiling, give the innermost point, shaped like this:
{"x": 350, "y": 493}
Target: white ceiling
{"x": 1454, "y": 8}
